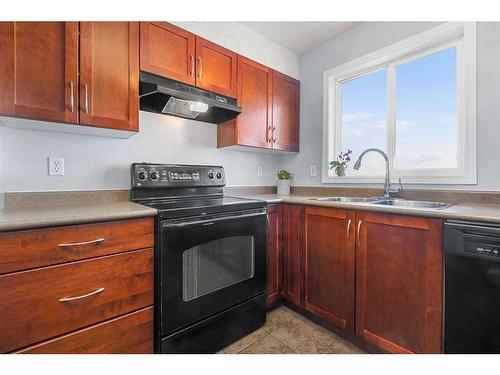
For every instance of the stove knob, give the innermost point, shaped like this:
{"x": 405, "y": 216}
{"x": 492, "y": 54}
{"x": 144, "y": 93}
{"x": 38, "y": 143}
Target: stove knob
{"x": 153, "y": 175}
{"x": 219, "y": 175}
{"x": 142, "y": 175}
{"x": 211, "y": 175}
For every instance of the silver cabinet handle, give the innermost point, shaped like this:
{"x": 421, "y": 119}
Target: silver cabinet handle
{"x": 268, "y": 139}
{"x": 191, "y": 58}
{"x": 274, "y": 138}
{"x": 348, "y": 234}
{"x": 67, "y": 299}
{"x": 200, "y": 67}
{"x": 81, "y": 243}
{"x": 357, "y": 235}
{"x": 72, "y": 96}
{"x": 86, "y": 108}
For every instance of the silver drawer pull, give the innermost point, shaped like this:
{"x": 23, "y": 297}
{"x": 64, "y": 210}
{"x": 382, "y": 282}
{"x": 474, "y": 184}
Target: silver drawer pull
{"x": 67, "y": 299}
{"x": 81, "y": 243}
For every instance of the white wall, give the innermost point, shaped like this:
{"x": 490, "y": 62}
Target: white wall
{"x": 369, "y": 37}
{"x": 103, "y": 163}
{"x": 248, "y": 43}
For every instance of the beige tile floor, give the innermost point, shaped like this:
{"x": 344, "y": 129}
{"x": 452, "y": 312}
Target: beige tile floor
{"x": 287, "y": 332}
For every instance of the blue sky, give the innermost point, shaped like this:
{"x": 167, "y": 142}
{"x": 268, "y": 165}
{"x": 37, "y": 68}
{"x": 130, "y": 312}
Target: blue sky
{"x": 425, "y": 114}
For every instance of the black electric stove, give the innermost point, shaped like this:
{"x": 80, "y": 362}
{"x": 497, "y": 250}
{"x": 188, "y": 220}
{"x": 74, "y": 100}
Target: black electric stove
{"x": 210, "y": 257}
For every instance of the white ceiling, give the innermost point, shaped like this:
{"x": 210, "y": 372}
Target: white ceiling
{"x": 300, "y": 36}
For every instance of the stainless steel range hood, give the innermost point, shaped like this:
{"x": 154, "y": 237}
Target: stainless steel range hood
{"x": 169, "y": 97}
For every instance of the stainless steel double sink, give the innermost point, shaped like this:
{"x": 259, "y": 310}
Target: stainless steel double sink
{"x": 394, "y": 202}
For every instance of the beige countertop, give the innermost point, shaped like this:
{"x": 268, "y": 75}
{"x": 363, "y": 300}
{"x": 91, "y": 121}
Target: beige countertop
{"x": 18, "y": 218}
{"x": 471, "y": 212}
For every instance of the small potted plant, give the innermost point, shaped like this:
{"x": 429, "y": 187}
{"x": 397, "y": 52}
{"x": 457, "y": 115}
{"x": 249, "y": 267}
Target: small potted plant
{"x": 284, "y": 178}
{"x": 340, "y": 164}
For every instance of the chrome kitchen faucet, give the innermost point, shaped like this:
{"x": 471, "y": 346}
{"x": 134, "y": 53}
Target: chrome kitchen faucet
{"x": 388, "y": 189}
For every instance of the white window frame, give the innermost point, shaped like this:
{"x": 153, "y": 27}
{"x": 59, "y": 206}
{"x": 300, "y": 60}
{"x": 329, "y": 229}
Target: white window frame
{"x": 461, "y": 35}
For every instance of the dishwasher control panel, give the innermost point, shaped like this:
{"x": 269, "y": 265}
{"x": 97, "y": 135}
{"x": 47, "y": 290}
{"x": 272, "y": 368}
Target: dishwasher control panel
{"x": 481, "y": 248}
{"x": 472, "y": 239}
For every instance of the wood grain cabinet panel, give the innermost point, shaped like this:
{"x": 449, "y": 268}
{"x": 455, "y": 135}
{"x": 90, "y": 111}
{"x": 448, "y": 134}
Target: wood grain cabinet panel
{"x": 215, "y": 68}
{"x": 274, "y": 253}
{"x": 128, "y": 334}
{"x": 329, "y": 248}
{"x": 168, "y": 51}
{"x": 33, "y": 306}
{"x": 253, "y": 126}
{"x": 109, "y": 74}
{"x": 292, "y": 252}
{"x": 399, "y": 277}
{"x": 286, "y": 92}
{"x": 23, "y": 250}
{"x": 39, "y": 70}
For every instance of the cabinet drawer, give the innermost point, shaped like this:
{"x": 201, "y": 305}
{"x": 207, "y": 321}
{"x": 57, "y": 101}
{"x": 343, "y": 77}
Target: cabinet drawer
{"x": 129, "y": 334}
{"x": 39, "y": 304}
{"x": 43, "y": 247}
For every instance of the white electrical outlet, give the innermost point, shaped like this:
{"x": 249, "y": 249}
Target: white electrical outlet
{"x": 312, "y": 170}
{"x": 259, "y": 171}
{"x": 56, "y": 166}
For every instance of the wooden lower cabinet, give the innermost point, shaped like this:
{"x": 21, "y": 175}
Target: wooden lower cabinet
{"x": 128, "y": 334}
{"x": 84, "y": 288}
{"x": 274, "y": 254}
{"x": 50, "y": 301}
{"x": 399, "y": 278}
{"x": 378, "y": 276}
{"x": 329, "y": 265}
{"x": 293, "y": 216}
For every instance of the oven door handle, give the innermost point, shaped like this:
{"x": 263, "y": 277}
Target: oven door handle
{"x": 185, "y": 224}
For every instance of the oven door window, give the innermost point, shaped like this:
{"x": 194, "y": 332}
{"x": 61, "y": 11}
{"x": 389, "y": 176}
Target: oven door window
{"x": 217, "y": 264}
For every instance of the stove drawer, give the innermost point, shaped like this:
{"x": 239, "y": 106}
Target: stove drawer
{"x": 128, "y": 334}
{"x": 43, "y": 303}
{"x": 43, "y": 247}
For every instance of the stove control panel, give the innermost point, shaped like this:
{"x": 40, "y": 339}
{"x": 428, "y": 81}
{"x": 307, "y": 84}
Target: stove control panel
{"x": 145, "y": 175}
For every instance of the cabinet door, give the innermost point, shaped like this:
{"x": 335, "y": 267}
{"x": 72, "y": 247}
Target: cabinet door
{"x": 399, "y": 277}
{"x": 274, "y": 253}
{"x": 292, "y": 252}
{"x": 329, "y": 265}
{"x": 168, "y": 51}
{"x": 215, "y": 68}
{"x": 254, "y": 97}
{"x": 39, "y": 70}
{"x": 286, "y": 91}
{"x": 109, "y": 74}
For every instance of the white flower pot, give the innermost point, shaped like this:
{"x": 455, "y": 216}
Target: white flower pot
{"x": 284, "y": 187}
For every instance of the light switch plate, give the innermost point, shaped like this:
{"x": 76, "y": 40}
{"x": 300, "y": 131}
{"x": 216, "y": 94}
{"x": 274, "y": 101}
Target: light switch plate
{"x": 56, "y": 166}
{"x": 312, "y": 170}
{"x": 259, "y": 171}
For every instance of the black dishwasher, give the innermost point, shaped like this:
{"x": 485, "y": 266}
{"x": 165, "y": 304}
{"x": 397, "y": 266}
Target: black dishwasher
{"x": 472, "y": 287}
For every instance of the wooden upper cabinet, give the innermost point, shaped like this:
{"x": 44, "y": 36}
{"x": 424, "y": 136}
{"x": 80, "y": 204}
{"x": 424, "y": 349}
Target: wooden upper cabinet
{"x": 399, "y": 277}
{"x": 39, "y": 70}
{"x": 168, "y": 51}
{"x": 286, "y": 91}
{"x": 329, "y": 249}
{"x": 253, "y": 126}
{"x": 109, "y": 74}
{"x": 215, "y": 68}
{"x": 293, "y": 216}
{"x": 274, "y": 254}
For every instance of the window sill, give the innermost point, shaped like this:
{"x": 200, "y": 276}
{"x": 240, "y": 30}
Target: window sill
{"x": 444, "y": 180}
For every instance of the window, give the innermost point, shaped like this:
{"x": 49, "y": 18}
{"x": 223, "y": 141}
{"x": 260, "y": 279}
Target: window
{"x": 414, "y": 100}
